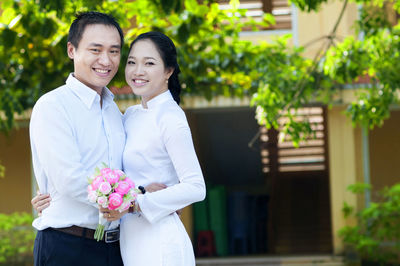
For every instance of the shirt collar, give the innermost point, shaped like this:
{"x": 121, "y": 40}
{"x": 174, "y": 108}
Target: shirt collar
{"x": 163, "y": 97}
{"x": 87, "y": 95}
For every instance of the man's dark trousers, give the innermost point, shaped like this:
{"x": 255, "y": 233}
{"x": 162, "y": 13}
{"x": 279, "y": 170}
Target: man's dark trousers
{"x": 54, "y": 248}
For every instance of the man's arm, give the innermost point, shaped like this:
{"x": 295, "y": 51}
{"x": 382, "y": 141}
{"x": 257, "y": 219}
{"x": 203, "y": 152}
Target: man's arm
{"x": 56, "y": 150}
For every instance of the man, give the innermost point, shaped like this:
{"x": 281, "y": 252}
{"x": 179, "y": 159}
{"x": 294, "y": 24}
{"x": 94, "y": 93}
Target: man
{"x": 73, "y": 129}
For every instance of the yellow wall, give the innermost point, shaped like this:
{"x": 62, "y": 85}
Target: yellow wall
{"x": 314, "y": 25}
{"x": 344, "y": 167}
{"x": 15, "y": 155}
{"x": 385, "y": 153}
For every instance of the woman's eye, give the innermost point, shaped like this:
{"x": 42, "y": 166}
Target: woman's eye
{"x": 131, "y": 62}
{"x": 150, "y": 63}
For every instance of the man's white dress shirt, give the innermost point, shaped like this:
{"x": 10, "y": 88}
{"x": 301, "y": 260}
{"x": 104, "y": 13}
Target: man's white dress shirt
{"x": 159, "y": 148}
{"x": 70, "y": 135}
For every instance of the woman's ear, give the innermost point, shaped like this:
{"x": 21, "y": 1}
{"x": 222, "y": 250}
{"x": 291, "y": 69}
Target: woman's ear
{"x": 169, "y": 72}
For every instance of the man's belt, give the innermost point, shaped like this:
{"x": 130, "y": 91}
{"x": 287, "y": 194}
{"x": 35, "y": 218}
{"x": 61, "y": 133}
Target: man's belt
{"x": 110, "y": 236}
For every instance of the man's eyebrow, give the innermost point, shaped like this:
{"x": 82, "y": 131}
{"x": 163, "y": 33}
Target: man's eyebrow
{"x": 96, "y": 44}
{"x": 100, "y": 45}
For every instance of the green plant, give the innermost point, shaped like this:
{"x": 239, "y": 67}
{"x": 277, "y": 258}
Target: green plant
{"x": 2, "y": 171}
{"x": 16, "y": 239}
{"x": 376, "y": 236}
{"x": 214, "y": 60}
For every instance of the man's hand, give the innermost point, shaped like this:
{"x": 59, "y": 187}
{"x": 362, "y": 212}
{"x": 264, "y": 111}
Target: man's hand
{"x": 153, "y": 187}
{"x": 158, "y": 186}
{"x": 40, "y": 202}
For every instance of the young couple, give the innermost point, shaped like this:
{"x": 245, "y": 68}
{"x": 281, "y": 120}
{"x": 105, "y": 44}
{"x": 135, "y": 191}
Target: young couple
{"x": 77, "y": 126}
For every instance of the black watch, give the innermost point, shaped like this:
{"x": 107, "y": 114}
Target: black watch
{"x": 141, "y": 188}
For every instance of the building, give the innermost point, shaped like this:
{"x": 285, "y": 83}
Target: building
{"x": 303, "y": 190}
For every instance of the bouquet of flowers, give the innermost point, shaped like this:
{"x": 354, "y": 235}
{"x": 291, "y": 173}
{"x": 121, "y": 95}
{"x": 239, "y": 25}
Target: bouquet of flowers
{"x": 111, "y": 189}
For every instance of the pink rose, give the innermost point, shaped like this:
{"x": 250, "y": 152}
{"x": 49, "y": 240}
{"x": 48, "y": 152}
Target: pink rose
{"x": 102, "y": 201}
{"x": 123, "y": 188}
{"x": 125, "y": 205}
{"x": 105, "y": 171}
{"x": 119, "y": 173}
{"x": 92, "y": 196}
{"x": 130, "y": 182}
{"x": 112, "y": 178}
{"x": 114, "y": 201}
{"x": 105, "y": 187}
{"x": 96, "y": 182}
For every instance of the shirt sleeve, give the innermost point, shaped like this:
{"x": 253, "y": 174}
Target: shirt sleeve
{"x": 177, "y": 139}
{"x": 56, "y": 150}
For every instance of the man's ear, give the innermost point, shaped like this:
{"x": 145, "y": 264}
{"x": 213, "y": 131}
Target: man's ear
{"x": 71, "y": 50}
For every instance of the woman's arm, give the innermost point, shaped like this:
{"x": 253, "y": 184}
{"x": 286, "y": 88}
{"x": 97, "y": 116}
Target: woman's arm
{"x": 177, "y": 139}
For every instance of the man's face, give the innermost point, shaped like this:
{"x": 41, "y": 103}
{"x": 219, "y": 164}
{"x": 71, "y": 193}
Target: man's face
{"x": 97, "y": 57}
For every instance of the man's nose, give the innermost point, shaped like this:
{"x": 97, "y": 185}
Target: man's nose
{"x": 104, "y": 59}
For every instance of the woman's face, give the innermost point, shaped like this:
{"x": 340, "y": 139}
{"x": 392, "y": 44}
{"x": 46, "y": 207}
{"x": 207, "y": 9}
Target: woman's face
{"x": 145, "y": 72}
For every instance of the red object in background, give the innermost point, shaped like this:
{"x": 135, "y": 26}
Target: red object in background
{"x": 205, "y": 244}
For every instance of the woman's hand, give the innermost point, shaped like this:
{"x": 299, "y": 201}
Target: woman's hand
{"x": 112, "y": 215}
{"x": 40, "y": 202}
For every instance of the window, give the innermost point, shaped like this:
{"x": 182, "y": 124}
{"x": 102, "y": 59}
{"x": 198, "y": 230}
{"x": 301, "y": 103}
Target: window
{"x": 309, "y": 156}
{"x": 256, "y": 9}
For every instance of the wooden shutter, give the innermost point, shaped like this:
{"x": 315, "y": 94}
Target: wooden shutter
{"x": 311, "y": 155}
{"x": 256, "y": 9}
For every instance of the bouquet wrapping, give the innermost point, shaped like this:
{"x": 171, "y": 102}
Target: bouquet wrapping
{"x": 112, "y": 189}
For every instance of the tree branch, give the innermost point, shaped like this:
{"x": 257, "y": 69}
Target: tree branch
{"x": 318, "y": 56}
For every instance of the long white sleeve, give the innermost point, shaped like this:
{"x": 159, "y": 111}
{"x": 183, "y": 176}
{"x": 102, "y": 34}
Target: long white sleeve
{"x": 176, "y": 136}
{"x": 57, "y": 151}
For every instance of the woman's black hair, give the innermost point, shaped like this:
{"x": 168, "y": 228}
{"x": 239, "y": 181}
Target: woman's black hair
{"x": 167, "y": 51}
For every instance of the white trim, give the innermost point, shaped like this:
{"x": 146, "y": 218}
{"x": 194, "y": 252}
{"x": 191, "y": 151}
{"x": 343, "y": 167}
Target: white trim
{"x": 295, "y": 26}
{"x": 34, "y": 187}
{"x": 264, "y": 32}
{"x": 366, "y": 162}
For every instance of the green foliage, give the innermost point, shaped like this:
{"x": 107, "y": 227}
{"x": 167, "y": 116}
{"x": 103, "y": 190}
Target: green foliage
{"x": 213, "y": 59}
{"x": 33, "y": 51}
{"x": 308, "y": 5}
{"x": 33, "y": 56}
{"x": 279, "y": 88}
{"x": 2, "y": 171}
{"x": 16, "y": 239}
{"x": 377, "y": 233}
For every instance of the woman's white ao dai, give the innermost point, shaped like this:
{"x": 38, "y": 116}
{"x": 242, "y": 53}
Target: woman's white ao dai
{"x": 159, "y": 148}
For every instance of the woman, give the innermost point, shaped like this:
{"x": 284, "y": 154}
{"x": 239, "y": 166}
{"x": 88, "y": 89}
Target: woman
{"x": 159, "y": 149}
